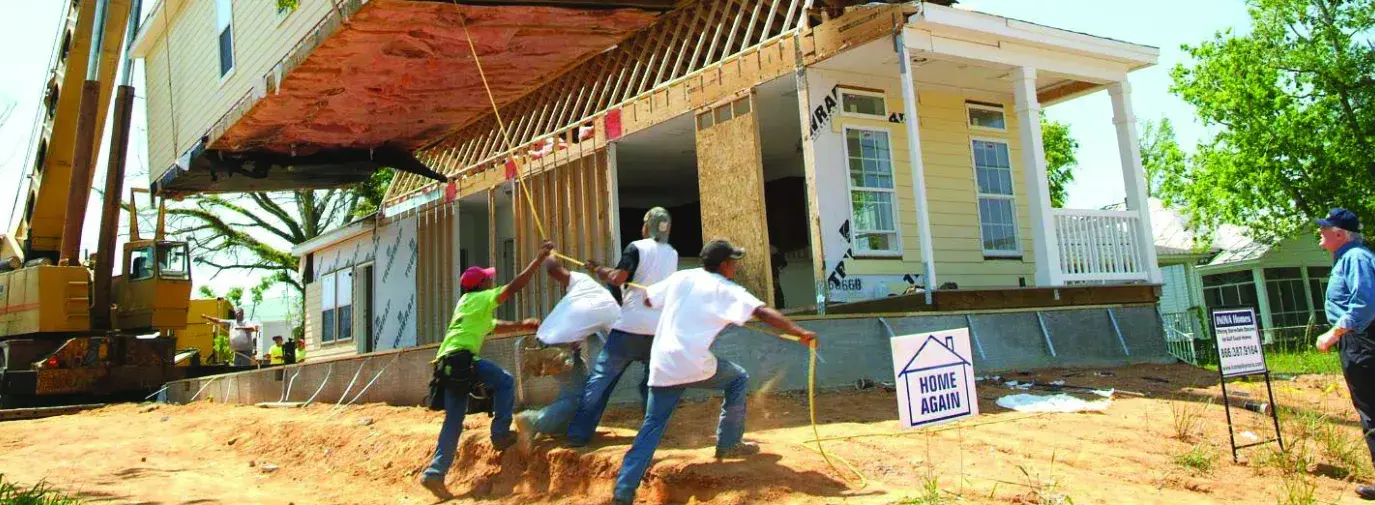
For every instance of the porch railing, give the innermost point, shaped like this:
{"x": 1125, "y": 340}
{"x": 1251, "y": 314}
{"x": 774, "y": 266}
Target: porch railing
{"x": 1100, "y": 245}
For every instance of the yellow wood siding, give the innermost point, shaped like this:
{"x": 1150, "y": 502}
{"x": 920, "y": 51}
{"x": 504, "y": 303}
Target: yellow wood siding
{"x": 948, "y": 161}
{"x": 199, "y": 95}
{"x": 313, "y": 318}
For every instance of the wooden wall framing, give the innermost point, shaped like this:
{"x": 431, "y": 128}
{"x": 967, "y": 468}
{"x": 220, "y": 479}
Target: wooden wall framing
{"x": 436, "y": 279}
{"x": 574, "y": 202}
{"x": 693, "y": 57}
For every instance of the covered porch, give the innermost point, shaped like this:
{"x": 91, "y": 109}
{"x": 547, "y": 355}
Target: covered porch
{"x": 971, "y": 209}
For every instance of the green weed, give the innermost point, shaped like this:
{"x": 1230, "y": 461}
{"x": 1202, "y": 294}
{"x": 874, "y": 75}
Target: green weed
{"x": 39, "y": 494}
{"x": 1297, "y": 490}
{"x": 1188, "y": 418}
{"x": 1200, "y": 458}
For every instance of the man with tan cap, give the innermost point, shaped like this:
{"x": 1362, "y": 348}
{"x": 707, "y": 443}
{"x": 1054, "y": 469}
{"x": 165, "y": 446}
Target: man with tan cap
{"x": 697, "y": 304}
{"x": 644, "y": 262}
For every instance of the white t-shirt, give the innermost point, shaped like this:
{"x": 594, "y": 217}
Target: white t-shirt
{"x": 657, "y": 262}
{"x": 241, "y": 335}
{"x": 697, "y": 305}
{"x": 587, "y": 308}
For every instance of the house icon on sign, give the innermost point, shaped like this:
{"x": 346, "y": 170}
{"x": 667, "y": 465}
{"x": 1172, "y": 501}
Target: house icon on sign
{"x": 937, "y": 383}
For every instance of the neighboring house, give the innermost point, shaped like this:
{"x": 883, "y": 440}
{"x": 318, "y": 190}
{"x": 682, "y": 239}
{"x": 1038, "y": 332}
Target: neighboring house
{"x": 882, "y": 148}
{"x": 1284, "y": 282}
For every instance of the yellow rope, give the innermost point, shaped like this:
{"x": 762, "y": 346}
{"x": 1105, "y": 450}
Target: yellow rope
{"x": 534, "y": 214}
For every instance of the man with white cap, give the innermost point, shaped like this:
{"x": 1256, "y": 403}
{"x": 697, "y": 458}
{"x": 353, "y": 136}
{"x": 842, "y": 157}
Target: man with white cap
{"x": 458, "y": 365}
{"x": 644, "y": 262}
{"x": 697, "y": 304}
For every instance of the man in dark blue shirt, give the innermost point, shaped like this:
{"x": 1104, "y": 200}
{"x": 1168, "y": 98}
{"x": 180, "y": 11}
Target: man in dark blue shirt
{"x": 1350, "y": 309}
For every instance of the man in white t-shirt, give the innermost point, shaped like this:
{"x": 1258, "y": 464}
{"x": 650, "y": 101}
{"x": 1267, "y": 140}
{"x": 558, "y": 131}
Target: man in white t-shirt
{"x": 644, "y": 262}
{"x": 697, "y": 304}
{"x": 587, "y": 308}
{"x": 243, "y": 340}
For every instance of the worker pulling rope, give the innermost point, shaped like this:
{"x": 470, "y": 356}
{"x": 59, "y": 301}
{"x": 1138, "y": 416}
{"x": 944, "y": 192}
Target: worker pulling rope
{"x": 534, "y": 214}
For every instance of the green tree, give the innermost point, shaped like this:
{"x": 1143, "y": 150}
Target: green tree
{"x": 1294, "y": 104}
{"x": 1160, "y": 153}
{"x": 256, "y": 231}
{"x": 1060, "y": 149}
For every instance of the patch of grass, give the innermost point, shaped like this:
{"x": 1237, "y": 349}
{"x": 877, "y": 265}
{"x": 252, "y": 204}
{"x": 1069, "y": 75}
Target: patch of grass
{"x": 1308, "y": 361}
{"x": 1199, "y": 458}
{"x": 1297, "y": 490}
{"x": 39, "y": 494}
{"x": 1345, "y": 455}
{"x": 1043, "y": 490}
{"x": 1188, "y": 418}
{"x": 1292, "y": 462}
{"x": 930, "y": 492}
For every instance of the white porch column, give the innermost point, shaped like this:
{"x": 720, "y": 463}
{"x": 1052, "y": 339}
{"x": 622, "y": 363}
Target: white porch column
{"x": 1133, "y": 176}
{"x": 1044, "y": 242}
{"x": 1263, "y": 305}
{"x": 909, "y": 100}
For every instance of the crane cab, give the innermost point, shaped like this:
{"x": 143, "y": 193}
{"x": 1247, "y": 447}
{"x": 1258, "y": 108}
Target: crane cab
{"x": 155, "y": 290}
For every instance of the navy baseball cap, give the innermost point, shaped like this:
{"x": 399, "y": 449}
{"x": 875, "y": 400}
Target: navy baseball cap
{"x": 1341, "y": 218}
{"x": 718, "y": 251}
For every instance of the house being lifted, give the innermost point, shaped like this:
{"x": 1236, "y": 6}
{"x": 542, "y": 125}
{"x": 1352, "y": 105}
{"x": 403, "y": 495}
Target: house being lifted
{"x": 882, "y": 150}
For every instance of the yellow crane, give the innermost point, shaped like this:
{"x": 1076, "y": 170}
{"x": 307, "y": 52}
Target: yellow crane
{"x": 69, "y": 327}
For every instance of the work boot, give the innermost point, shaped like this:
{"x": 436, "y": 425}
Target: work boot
{"x": 1366, "y": 492}
{"x": 741, "y": 449}
{"x": 436, "y": 486}
{"x": 504, "y": 442}
{"x": 621, "y": 501}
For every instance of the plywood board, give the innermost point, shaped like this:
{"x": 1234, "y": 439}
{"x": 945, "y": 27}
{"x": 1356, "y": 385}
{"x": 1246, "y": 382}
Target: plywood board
{"x": 730, "y": 171}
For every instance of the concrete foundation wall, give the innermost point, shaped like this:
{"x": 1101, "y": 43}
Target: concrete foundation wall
{"x": 853, "y": 348}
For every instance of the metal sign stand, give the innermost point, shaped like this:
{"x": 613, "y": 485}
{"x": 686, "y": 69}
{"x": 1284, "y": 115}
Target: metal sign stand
{"x": 1226, "y": 401}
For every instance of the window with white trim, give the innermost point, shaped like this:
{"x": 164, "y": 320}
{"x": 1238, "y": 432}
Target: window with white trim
{"x": 224, "y": 27}
{"x": 997, "y": 219}
{"x": 873, "y": 212}
{"x": 986, "y": 117}
{"x": 336, "y": 306}
{"x": 859, "y": 102}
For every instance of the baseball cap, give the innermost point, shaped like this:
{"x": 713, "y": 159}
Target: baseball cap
{"x": 474, "y": 275}
{"x": 718, "y": 251}
{"x": 1341, "y": 218}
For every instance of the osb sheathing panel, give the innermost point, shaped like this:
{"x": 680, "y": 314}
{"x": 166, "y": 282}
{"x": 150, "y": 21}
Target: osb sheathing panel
{"x": 730, "y": 176}
{"x": 572, "y": 204}
{"x": 854, "y": 28}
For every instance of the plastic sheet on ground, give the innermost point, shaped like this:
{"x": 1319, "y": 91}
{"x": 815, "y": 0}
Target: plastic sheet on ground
{"x": 1051, "y": 403}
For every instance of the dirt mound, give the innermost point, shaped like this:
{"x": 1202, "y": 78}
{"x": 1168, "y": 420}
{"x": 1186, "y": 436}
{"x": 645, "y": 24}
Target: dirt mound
{"x": 372, "y": 454}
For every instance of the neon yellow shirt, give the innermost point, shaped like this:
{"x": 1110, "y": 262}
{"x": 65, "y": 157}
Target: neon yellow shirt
{"x": 300, "y": 354}
{"x": 474, "y": 319}
{"x": 275, "y": 355}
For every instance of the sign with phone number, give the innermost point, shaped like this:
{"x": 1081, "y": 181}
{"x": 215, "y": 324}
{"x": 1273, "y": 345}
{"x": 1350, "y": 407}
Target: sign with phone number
{"x": 1238, "y": 342}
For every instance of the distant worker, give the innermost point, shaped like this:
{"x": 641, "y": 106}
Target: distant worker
{"x": 644, "y": 262}
{"x": 242, "y": 336}
{"x": 459, "y": 367}
{"x": 301, "y": 350}
{"x": 587, "y": 309}
{"x": 697, "y": 304}
{"x": 776, "y": 263}
{"x": 1350, "y": 309}
{"x": 275, "y": 354}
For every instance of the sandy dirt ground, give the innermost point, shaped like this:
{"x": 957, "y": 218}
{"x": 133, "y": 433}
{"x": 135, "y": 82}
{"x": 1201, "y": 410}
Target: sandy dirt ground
{"x": 1133, "y": 453}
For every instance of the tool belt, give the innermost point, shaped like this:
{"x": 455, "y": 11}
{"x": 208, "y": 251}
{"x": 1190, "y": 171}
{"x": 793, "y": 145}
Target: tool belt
{"x": 458, "y": 370}
{"x": 542, "y": 360}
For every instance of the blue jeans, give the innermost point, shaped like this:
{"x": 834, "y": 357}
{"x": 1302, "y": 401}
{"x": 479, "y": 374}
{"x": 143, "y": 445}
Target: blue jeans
{"x": 620, "y": 351}
{"x": 456, "y": 406}
{"x": 554, "y": 418}
{"x": 729, "y": 378}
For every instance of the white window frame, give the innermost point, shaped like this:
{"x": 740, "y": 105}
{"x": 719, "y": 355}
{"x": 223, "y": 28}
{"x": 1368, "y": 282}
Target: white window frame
{"x": 969, "y": 118}
{"x": 331, "y": 280}
{"x": 896, "y": 252}
{"x": 220, "y": 26}
{"x": 283, "y": 14}
{"x": 843, "y": 90}
{"x": 978, "y": 195}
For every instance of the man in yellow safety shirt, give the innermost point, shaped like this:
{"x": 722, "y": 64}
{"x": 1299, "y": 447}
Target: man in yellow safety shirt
{"x": 274, "y": 355}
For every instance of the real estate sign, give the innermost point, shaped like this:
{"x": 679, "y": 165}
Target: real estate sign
{"x": 1238, "y": 342}
{"x": 934, "y": 377}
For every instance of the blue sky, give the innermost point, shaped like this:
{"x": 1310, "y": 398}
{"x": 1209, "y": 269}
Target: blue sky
{"x": 29, "y": 27}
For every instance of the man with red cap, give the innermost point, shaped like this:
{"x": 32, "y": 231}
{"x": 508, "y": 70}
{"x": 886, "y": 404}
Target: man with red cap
{"x": 458, "y": 365}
